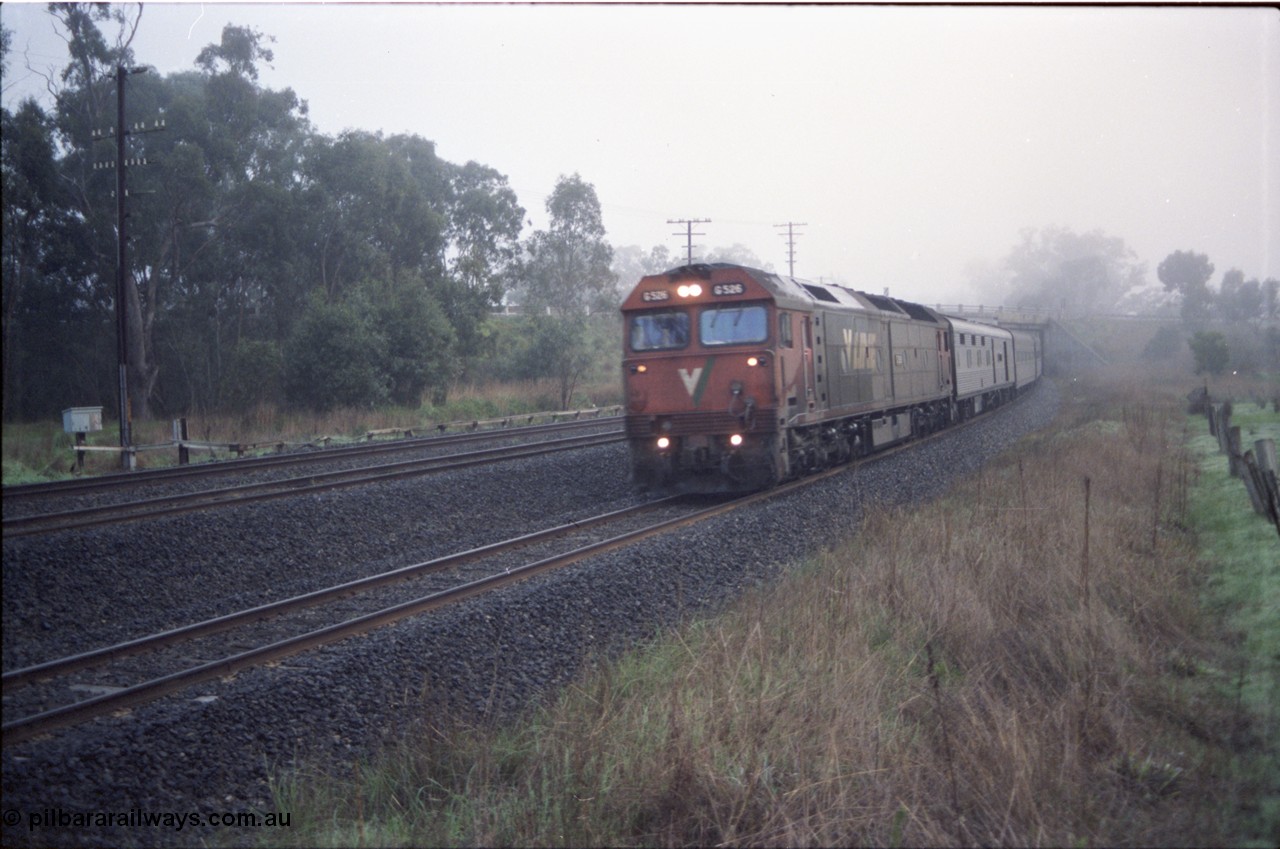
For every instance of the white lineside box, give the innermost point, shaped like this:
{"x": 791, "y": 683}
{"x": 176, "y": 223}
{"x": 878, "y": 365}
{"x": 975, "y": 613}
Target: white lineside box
{"x": 81, "y": 419}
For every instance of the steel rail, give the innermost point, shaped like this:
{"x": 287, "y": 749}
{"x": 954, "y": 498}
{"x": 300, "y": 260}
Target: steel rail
{"x": 263, "y": 491}
{"x": 25, "y": 728}
{"x": 72, "y": 663}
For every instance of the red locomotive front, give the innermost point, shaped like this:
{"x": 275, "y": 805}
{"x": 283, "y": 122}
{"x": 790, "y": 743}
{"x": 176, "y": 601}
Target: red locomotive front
{"x": 700, "y": 368}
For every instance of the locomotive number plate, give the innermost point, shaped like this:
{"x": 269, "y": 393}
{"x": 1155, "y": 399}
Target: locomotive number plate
{"x": 655, "y": 295}
{"x": 729, "y": 289}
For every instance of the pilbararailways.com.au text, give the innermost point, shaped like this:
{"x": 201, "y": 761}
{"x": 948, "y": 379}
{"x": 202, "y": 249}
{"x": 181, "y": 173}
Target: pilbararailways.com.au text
{"x": 138, "y": 818}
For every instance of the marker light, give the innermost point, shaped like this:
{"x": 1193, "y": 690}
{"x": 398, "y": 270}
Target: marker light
{"x": 663, "y": 443}
{"x": 735, "y": 440}
{"x": 639, "y": 369}
{"x": 689, "y": 290}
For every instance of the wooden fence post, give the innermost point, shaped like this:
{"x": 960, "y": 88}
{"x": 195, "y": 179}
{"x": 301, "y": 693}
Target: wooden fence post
{"x": 1252, "y": 478}
{"x": 1264, "y": 454}
{"x": 1235, "y": 461}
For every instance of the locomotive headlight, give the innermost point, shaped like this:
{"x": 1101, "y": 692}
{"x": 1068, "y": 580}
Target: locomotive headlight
{"x": 689, "y": 290}
{"x": 639, "y": 369}
{"x": 735, "y": 440}
{"x": 753, "y": 362}
{"x": 663, "y": 443}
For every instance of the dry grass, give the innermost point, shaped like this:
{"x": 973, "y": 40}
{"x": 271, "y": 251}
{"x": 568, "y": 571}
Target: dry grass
{"x": 1019, "y": 664}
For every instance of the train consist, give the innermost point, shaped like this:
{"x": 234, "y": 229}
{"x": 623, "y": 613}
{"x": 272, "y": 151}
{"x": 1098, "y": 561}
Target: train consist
{"x": 737, "y": 379}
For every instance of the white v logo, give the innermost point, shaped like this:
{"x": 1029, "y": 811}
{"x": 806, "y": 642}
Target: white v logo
{"x": 690, "y": 379}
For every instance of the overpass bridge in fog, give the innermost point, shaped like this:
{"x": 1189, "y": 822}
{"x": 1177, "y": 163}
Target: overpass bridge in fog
{"x": 1064, "y": 350}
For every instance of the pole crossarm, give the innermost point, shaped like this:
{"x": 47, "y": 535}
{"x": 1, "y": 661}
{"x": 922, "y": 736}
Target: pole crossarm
{"x": 121, "y": 165}
{"x": 792, "y": 235}
{"x": 688, "y": 233}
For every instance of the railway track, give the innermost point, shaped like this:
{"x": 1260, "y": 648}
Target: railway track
{"x": 168, "y": 505}
{"x": 49, "y": 698}
{"x": 18, "y": 495}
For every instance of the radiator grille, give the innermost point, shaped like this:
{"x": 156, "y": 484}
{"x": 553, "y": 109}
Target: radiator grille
{"x": 686, "y": 424}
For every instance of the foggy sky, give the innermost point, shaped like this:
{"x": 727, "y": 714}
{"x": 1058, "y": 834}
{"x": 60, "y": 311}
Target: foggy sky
{"x": 912, "y": 141}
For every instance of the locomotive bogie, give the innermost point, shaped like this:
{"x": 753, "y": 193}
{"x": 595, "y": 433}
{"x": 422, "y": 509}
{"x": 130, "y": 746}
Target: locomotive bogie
{"x": 705, "y": 463}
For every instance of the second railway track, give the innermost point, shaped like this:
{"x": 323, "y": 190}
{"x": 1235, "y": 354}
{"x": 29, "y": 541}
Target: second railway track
{"x": 95, "y": 485}
{"x": 104, "y": 514}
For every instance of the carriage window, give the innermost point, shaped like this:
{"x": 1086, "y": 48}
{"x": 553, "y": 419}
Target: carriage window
{"x": 658, "y": 331}
{"x": 733, "y": 325}
{"x": 784, "y": 329}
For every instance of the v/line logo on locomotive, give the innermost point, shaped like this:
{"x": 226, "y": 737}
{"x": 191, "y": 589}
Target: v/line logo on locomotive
{"x": 737, "y": 378}
{"x": 694, "y": 379}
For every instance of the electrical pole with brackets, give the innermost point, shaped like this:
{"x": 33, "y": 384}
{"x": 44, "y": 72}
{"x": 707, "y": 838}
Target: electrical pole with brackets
{"x": 688, "y": 233}
{"x": 121, "y": 163}
{"x": 791, "y": 244}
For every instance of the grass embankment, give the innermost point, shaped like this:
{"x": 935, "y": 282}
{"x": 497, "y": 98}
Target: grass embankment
{"x": 42, "y": 451}
{"x": 1243, "y": 592}
{"x": 1029, "y": 661}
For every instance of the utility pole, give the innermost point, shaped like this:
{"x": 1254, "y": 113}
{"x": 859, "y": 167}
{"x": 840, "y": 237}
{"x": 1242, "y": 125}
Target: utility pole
{"x": 688, "y": 233}
{"x": 792, "y": 235}
{"x": 122, "y": 267}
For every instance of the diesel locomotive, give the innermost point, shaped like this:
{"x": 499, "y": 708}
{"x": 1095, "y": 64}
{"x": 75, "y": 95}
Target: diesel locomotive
{"x": 738, "y": 379}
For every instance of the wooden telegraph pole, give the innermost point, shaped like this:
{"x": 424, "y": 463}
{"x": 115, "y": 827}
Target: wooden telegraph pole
{"x": 688, "y": 233}
{"x": 127, "y": 460}
{"x": 791, "y": 244}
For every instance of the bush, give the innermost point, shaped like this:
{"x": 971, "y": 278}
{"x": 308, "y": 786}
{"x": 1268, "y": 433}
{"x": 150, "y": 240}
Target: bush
{"x": 386, "y": 342}
{"x": 419, "y": 344}
{"x": 254, "y": 376}
{"x": 332, "y": 357}
{"x": 1211, "y": 353}
{"x": 1165, "y": 344}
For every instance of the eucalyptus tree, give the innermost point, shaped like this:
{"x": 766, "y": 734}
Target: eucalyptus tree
{"x": 1188, "y": 273}
{"x": 568, "y": 283}
{"x": 55, "y": 326}
{"x": 1056, "y": 268}
{"x": 220, "y": 183}
{"x": 59, "y": 236}
{"x": 377, "y": 239}
{"x": 567, "y": 271}
{"x": 631, "y": 262}
{"x": 241, "y": 219}
{"x": 1241, "y": 300}
{"x": 483, "y": 250}
{"x": 378, "y": 209}
{"x": 217, "y": 259}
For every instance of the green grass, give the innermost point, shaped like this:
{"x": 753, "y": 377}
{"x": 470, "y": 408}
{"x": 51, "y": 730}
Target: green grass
{"x": 1243, "y": 590}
